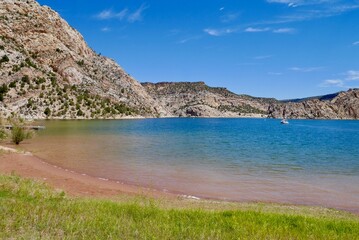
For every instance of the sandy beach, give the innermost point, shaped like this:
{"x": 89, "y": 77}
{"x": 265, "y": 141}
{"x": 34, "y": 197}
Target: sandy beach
{"x": 73, "y": 183}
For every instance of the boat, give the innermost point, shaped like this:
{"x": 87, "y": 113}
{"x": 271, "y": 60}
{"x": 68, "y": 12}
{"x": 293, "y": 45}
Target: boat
{"x": 284, "y": 121}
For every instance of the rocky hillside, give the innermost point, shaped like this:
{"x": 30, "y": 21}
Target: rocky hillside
{"x": 343, "y": 105}
{"x": 184, "y": 99}
{"x": 47, "y": 70}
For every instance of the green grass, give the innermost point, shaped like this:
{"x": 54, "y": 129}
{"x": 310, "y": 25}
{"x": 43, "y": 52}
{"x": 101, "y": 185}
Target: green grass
{"x": 32, "y": 210}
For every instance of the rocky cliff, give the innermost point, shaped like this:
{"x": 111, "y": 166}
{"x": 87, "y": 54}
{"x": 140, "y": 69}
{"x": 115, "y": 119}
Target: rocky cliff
{"x": 188, "y": 99}
{"x": 343, "y": 105}
{"x": 47, "y": 70}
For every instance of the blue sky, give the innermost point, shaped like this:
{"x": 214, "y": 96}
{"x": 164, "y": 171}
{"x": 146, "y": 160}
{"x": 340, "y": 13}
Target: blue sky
{"x": 268, "y": 48}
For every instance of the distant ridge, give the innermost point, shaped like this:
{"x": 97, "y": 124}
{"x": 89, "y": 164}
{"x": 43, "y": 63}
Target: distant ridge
{"x": 196, "y": 99}
{"x": 327, "y": 97}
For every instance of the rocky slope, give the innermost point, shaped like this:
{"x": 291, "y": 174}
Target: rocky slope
{"x": 344, "y": 105}
{"x": 186, "y": 99}
{"x": 47, "y": 70}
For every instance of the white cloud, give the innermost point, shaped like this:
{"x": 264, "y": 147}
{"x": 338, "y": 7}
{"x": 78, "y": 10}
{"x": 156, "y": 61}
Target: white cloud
{"x": 106, "y": 14}
{"x": 306, "y": 69}
{"x": 305, "y": 10}
{"x": 185, "y": 40}
{"x": 356, "y": 43}
{"x": 297, "y": 3}
{"x": 333, "y": 83}
{"x": 105, "y": 29}
{"x": 219, "y": 32}
{"x": 137, "y": 15}
{"x": 266, "y": 29}
{"x": 290, "y": 3}
{"x": 109, "y": 14}
{"x": 352, "y": 75}
{"x": 253, "y": 30}
{"x": 345, "y": 82}
{"x": 124, "y": 14}
{"x": 284, "y": 30}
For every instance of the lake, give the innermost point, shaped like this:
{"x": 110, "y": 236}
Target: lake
{"x": 311, "y": 162}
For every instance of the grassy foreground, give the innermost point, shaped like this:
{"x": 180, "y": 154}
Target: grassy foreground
{"x": 31, "y": 210}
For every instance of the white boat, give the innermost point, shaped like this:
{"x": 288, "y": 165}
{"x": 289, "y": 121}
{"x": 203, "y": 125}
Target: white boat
{"x": 284, "y": 121}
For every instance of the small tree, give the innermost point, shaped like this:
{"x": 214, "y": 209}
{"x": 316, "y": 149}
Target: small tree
{"x": 3, "y": 133}
{"x": 19, "y": 132}
{"x": 47, "y": 112}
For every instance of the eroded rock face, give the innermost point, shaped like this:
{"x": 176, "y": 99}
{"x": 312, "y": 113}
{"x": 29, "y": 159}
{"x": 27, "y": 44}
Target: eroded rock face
{"x": 187, "y": 99}
{"x": 343, "y": 106}
{"x": 40, "y": 44}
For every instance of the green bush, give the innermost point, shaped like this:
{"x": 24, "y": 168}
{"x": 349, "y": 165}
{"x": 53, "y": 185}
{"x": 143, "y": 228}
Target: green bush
{"x": 19, "y": 132}
{"x": 4, "y": 88}
{"x": 4, "y": 58}
{"x": 12, "y": 84}
{"x": 3, "y": 133}
{"x": 47, "y": 112}
{"x": 80, "y": 63}
{"x": 25, "y": 79}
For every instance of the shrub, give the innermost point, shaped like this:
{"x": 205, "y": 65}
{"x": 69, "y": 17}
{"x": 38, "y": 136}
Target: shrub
{"x": 30, "y": 63}
{"x": 3, "y": 133}
{"x": 4, "y": 58}
{"x": 80, "y": 63}
{"x": 19, "y": 132}
{"x": 53, "y": 80}
{"x": 4, "y": 89}
{"x": 12, "y": 84}
{"x": 80, "y": 113}
{"x": 25, "y": 79}
{"x": 47, "y": 111}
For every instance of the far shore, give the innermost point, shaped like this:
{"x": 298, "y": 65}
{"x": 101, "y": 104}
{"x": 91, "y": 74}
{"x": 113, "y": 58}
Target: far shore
{"x": 244, "y": 116}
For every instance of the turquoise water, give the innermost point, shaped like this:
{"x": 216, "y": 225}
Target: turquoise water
{"x": 312, "y": 162}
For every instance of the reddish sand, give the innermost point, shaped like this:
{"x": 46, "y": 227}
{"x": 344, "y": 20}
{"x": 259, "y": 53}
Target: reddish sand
{"x": 75, "y": 184}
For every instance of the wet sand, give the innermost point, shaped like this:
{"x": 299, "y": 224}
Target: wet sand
{"x": 73, "y": 183}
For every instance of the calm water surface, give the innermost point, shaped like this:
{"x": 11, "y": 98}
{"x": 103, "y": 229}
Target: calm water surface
{"x": 305, "y": 162}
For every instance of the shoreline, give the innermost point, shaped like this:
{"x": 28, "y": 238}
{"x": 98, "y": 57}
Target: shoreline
{"x": 73, "y": 183}
{"x": 245, "y": 116}
{"x": 76, "y": 184}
